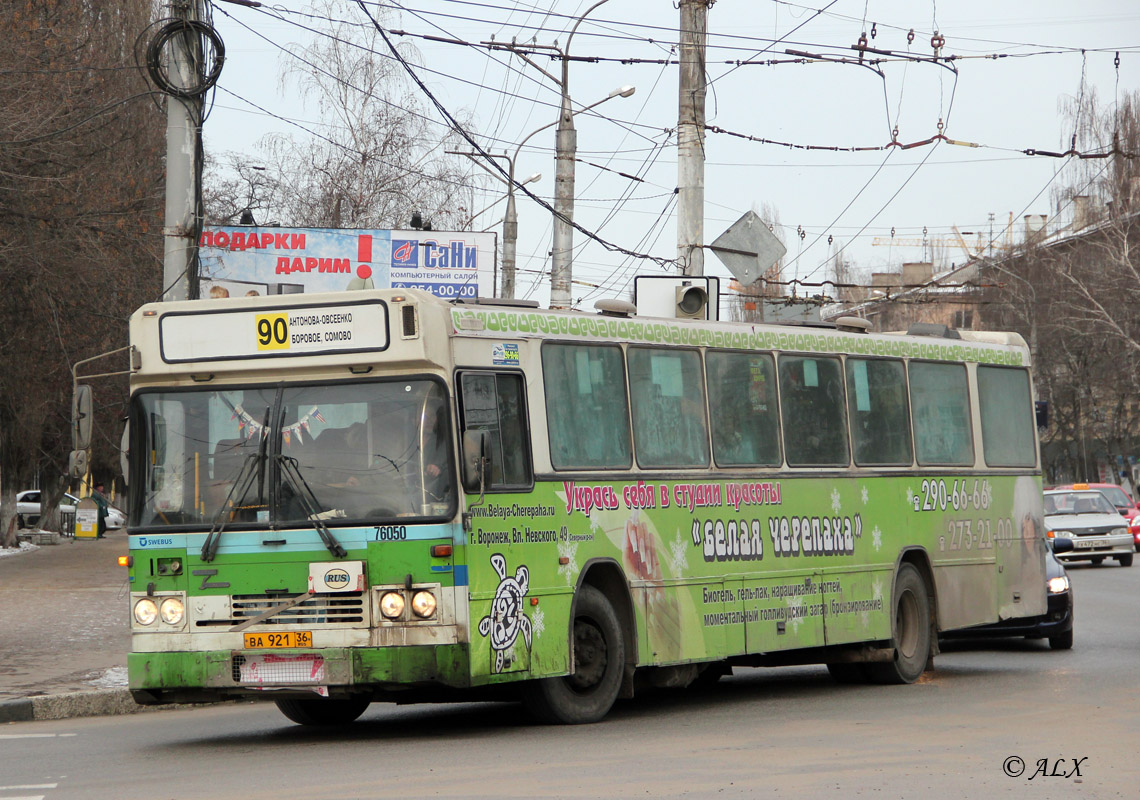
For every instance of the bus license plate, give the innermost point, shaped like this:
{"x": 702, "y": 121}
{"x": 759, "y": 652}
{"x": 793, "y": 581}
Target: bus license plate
{"x": 270, "y": 641}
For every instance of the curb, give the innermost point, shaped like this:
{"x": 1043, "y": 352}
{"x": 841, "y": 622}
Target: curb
{"x": 70, "y": 705}
{"x": 66, "y": 706}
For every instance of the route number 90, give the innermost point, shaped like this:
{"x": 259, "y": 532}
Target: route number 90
{"x": 272, "y": 332}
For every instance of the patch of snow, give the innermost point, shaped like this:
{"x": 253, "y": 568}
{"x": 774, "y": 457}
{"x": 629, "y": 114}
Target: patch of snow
{"x": 113, "y": 678}
{"x": 24, "y": 547}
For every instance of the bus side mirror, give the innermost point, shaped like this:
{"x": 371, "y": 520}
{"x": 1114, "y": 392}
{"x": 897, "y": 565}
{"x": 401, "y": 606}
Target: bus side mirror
{"x": 476, "y": 459}
{"x": 1062, "y": 545}
{"x": 125, "y": 452}
{"x": 81, "y": 409}
{"x": 1041, "y": 407}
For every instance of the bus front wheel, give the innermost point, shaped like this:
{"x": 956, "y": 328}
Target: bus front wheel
{"x": 587, "y": 693}
{"x": 320, "y": 711}
{"x": 910, "y": 633}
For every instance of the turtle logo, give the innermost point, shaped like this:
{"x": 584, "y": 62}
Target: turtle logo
{"x": 507, "y": 618}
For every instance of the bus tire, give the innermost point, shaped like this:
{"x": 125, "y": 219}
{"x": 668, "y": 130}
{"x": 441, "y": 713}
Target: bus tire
{"x": 910, "y": 630}
{"x": 588, "y": 693}
{"x": 322, "y": 711}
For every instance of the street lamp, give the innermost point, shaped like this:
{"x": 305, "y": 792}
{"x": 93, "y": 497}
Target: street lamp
{"x": 463, "y": 225}
{"x": 510, "y": 219}
{"x": 566, "y": 144}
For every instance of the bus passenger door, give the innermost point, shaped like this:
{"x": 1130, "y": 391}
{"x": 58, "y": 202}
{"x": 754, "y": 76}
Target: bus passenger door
{"x": 504, "y": 572}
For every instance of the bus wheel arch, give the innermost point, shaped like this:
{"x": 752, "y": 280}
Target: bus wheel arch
{"x": 606, "y": 576}
{"x": 600, "y": 647}
{"x": 913, "y": 613}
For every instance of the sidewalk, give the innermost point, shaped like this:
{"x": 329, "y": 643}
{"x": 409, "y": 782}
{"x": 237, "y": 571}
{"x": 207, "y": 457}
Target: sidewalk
{"x": 64, "y": 634}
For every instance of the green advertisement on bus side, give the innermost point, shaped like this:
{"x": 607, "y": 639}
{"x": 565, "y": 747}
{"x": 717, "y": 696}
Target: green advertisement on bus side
{"x": 727, "y": 567}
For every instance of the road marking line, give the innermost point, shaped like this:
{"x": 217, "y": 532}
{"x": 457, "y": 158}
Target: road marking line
{"x": 28, "y": 786}
{"x": 28, "y": 797}
{"x": 35, "y": 735}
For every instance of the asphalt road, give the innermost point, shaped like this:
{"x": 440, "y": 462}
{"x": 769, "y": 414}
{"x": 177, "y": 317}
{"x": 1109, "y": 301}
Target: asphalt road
{"x": 989, "y": 709}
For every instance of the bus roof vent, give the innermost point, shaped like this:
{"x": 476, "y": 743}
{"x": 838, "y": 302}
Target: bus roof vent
{"x": 496, "y": 301}
{"x": 613, "y": 307}
{"x": 853, "y": 324}
{"x": 932, "y": 329}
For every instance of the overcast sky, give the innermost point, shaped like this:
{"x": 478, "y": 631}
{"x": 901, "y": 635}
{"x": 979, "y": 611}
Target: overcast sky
{"x": 1006, "y": 104}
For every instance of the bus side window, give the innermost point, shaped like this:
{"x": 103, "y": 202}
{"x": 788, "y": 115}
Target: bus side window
{"x": 814, "y": 413}
{"x": 494, "y": 402}
{"x": 1008, "y": 438}
{"x": 940, "y": 410}
{"x": 666, "y": 390}
{"x": 877, "y": 403}
{"x": 586, "y": 410}
{"x": 742, "y": 396}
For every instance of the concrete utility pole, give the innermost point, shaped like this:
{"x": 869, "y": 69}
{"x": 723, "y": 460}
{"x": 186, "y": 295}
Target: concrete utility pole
{"x": 566, "y": 147}
{"x": 183, "y": 129}
{"x": 690, "y": 137}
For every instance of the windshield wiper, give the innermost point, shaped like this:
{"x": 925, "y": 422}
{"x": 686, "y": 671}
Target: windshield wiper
{"x": 245, "y": 477}
{"x": 304, "y": 493}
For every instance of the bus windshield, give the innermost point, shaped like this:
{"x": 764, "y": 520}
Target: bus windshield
{"x": 282, "y": 456}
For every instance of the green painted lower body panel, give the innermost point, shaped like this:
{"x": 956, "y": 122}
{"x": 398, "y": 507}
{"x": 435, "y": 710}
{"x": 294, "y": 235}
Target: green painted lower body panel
{"x": 207, "y": 676}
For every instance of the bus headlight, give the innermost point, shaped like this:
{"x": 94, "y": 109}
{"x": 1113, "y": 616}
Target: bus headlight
{"x": 392, "y": 605}
{"x": 171, "y": 610}
{"x": 146, "y": 611}
{"x": 1058, "y": 585}
{"x": 423, "y": 604}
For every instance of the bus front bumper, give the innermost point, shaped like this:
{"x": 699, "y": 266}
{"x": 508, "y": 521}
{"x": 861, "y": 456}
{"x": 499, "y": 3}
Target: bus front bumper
{"x": 209, "y": 676}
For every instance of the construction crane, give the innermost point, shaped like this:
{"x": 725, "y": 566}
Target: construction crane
{"x": 958, "y": 239}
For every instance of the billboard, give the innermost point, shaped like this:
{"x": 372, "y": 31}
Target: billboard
{"x": 238, "y": 261}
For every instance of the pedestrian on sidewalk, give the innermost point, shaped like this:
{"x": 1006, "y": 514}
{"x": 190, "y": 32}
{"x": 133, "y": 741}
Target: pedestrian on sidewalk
{"x": 102, "y": 502}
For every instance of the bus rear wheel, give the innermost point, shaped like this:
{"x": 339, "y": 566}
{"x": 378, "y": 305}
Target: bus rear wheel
{"x": 588, "y": 693}
{"x": 321, "y": 711}
{"x": 910, "y": 632}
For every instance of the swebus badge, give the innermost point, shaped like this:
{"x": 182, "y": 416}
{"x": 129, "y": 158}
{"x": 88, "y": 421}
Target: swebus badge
{"x": 340, "y": 576}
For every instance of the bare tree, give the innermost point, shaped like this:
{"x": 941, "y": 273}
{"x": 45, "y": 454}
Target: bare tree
{"x": 80, "y": 225}
{"x": 1075, "y": 296}
{"x": 377, "y": 158}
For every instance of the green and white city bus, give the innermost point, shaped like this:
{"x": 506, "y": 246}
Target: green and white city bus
{"x": 374, "y": 496}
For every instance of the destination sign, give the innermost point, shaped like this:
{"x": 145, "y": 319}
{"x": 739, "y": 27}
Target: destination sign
{"x": 273, "y": 331}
